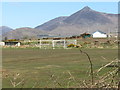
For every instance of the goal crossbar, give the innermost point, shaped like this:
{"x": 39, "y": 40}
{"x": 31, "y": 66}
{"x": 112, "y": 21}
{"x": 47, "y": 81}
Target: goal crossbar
{"x": 54, "y": 43}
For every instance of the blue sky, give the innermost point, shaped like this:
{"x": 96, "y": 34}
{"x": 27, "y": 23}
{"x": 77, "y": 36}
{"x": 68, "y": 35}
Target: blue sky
{"x": 31, "y": 14}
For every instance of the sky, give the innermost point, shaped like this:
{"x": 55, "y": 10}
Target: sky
{"x": 32, "y": 14}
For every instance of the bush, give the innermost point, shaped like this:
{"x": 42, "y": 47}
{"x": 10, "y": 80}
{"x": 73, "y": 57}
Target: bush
{"x": 71, "y": 45}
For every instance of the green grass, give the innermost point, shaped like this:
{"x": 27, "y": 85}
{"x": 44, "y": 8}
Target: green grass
{"x": 36, "y": 65}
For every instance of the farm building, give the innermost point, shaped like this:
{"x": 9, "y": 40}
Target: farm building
{"x": 2, "y": 43}
{"x": 99, "y": 34}
{"x": 43, "y": 36}
{"x": 57, "y": 37}
{"x": 8, "y": 43}
{"x": 85, "y": 35}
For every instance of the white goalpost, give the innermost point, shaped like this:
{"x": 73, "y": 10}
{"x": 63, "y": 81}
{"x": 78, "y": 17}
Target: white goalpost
{"x": 56, "y": 43}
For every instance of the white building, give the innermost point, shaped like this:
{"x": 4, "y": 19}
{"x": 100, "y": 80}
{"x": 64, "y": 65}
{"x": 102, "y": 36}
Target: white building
{"x": 99, "y": 34}
{"x": 2, "y": 43}
{"x": 9, "y": 43}
{"x": 15, "y": 43}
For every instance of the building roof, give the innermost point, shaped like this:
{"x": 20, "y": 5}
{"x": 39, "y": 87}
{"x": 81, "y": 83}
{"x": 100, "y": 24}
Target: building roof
{"x": 99, "y": 31}
{"x": 53, "y": 36}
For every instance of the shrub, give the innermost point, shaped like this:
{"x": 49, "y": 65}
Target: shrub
{"x": 71, "y": 45}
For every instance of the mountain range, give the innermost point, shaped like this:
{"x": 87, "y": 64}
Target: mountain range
{"x": 84, "y": 20}
{"x": 4, "y": 29}
{"x": 23, "y": 33}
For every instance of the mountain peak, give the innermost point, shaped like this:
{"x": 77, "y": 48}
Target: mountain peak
{"x": 86, "y": 8}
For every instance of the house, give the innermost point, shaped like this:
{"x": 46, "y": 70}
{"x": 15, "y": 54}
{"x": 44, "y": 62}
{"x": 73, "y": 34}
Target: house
{"x": 11, "y": 43}
{"x": 85, "y": 35}
{"x": 43, "y": 36}
{"x": 2, "y": 43}
{"x": 99, "y": 34}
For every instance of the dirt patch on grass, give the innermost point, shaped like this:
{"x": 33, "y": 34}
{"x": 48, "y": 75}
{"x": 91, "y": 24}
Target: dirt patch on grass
{"x": 48, "y": 66}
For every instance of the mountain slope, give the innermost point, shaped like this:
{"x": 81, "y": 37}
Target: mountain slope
{"x": 52, "y": 24}
{"x": 24, "y": 32}
{"x": 5, "y": 29}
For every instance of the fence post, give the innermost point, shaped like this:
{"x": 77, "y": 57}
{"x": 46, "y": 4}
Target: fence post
{"x": 75, "y": 42}
{"x": 64, "y": 43}
{"x": 53, "y": 45}
{"x": 40, "y": 43}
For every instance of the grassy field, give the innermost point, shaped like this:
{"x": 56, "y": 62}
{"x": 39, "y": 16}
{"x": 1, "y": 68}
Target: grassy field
{"x": 45, "y": 68}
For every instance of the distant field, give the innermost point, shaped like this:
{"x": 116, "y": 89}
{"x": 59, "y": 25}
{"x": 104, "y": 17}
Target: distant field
{"x": 36, "y": 66}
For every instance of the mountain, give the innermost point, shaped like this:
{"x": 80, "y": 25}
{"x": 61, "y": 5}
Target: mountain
{"x": 5, "y": 29}
{"x": 52, "y": 24}
{"x": 23, "y": 33}
{"x": 85, "y": 20}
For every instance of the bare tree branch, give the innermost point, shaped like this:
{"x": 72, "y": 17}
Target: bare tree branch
{"x": 91, "y": 66}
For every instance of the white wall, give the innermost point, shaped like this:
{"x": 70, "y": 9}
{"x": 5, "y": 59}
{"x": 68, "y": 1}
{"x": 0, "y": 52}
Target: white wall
{"x": 2, "y": 43}
{"x": 99, "y": 35}
{"x": 18, "y": 44}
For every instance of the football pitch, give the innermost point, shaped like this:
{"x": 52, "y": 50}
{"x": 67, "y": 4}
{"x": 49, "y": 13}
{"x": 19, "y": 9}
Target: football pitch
{"x": 44, "y": 68}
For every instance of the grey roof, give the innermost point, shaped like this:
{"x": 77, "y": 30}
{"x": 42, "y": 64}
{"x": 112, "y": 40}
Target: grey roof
{"x": 52, "y": 36}
{"x": 100, "y": 32}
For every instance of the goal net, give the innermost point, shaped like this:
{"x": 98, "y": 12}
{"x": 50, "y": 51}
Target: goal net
{"x": 47, "y": 44}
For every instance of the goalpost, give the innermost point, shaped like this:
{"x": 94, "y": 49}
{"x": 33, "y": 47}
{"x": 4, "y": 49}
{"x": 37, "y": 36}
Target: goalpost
{"x": 63, "y": 43}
